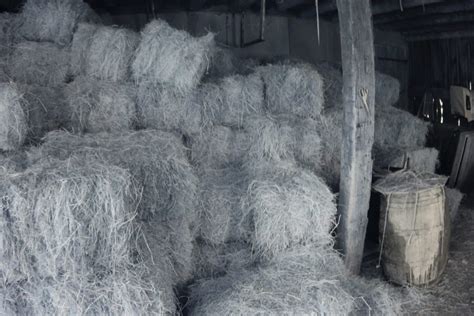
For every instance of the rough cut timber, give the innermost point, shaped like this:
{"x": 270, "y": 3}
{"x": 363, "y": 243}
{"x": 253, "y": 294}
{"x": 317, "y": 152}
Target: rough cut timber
{"x": 358, "y": 132}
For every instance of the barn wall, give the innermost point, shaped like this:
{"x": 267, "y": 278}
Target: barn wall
{"x": 284, "y": 37}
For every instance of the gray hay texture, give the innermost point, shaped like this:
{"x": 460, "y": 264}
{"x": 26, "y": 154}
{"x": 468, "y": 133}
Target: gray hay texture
{"x": 332, "y": 79}
{"x": 230, "y": 100}
{"x": 454, "y": 198}
{"x": 4, "y": 77}
{"x": 71, "y": 241}
{"x": 110, "y": 53}
{"x": 217, "y": 260}
{"x": 280, "y": 138}
{"x": 171, "y": 57}
{"x": 158, "y": 161}
{"x": 44, "y": 64}
{"x": 9, "y": 23}
{"x": 53, "y": 20}
{"x": 331, "y": 139}
{"x": 14, "y": 120}
{"x": 226, "y": 63}
{"x": 398, "y": 128}
{"x": 420, "y": 160}
{"x": 219, "y": 147}
{"x": 100, "y": 106}
{"x": 80, "y": 47}
{"x": 166, "y": 108}
{"x": 46, "y": 110}
{"x": 13, "y": 161}
{"x": 408, "y": 182}
{"x": 387, "y": 90}
{"x": 289, "y": 210}
{"x": 304, "y": 281}
{"x": 293, "y": 89}
{"x": 220, "y": 209}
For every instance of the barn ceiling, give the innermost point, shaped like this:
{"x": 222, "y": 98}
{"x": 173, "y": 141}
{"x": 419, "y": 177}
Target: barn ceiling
{"x": 416, "y": 19}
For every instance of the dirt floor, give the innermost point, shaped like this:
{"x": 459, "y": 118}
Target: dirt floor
{"x": 454, "y": 294}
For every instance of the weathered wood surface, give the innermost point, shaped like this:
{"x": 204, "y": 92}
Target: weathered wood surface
{"x": 358, "y": 132}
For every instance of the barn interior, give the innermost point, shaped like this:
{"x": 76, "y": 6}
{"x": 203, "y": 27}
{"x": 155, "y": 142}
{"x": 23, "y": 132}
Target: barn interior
{"x": 246, "y": 157}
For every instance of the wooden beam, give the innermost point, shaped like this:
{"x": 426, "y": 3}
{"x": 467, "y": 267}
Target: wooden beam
{"x": 439, "y": 35}
{"x": 392, "y": 6}
{"x": 430, "y": 21}
{"x": 416, "y": 13}
{"x": 357, "y": 52}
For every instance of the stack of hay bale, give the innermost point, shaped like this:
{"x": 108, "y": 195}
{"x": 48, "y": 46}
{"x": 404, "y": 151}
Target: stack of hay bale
{"x": 221, "y": 188}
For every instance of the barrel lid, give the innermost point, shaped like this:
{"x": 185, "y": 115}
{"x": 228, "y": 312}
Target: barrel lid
{"x": 408, "y": 182}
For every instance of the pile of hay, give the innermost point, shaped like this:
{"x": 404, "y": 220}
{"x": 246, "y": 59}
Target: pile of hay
{"x": 304, "y": 281}
{"x": 44, "y": 64}
{"x": 158, "y": 161}
{"x": 77, "y": 254}
{"x": 230, "y": 100}
{"x": 219, "y": 147}
{"x": 454, "y": 198}
{"x": 110, "y": 53}
{"x": 100, "y": 106}
{"x": 293, "y": 89}
{"x": 281, "y": 138}
{"x": 46, "y": 110}
{"x": 53, "y": 20}
{"x": 171, "y": 57}
{"x": 166, "y": 108}
{"x": 289, "y": 209}
{"x": 220, "y": 208}
{"x": 419, "y": 160}
{"x": 13, "y": 119}
{"x": 80, "y": 48}
{"x": 387, "y": 90}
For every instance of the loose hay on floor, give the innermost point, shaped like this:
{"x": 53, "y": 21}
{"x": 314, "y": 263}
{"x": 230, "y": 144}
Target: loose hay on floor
{"x": 288, "y": 210}
{"x": 230, "y": 100}
{"x": 53, "y": 20}
{"x": 100, "y": 106}
{"x": 293, "y": 89}
{"x": 43, "y": 64}
{"x": 110, "y": 53}
{"x": 302, "y": 282}
{"x": 171, "y": 57}
{"x": 13, "y": 125}
{"x": 166, "y": 108}
{"x": 74, "y": 228}
{"x": 80, "y": 47}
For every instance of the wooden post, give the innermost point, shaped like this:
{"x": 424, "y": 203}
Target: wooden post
{"x": 355, "y": 21}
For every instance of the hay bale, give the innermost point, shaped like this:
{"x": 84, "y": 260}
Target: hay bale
{"x": 13, "y": 161}
{"x": 230, "y": 100}
{"x": 332, "y": 82}
{"x": 226, "y": 63}
{"x": 331, "y": 141}
{"x": 279, "y": 138}
{"x": 13, "y": 126}
{"x": 387, "y": 90}
{"x": 171, "y": 57}
{"x": 164, "y": 107}
{"x": 110, "y": 53}
{"x": 100, "y": 106}
{"x": 287, "y": 210}
{"x": 454, "y": 198}
{"x": 9, "y": 23}
{"x": 46, "y": 110}
{"x": 43, "y": 64}
{"x": 53, "y": 20}
{"x": 81, "y": 42}
{"x": 219, "y": 147}
{"x": 293, "y": 89}
{"x": 220, "y": 205}
{"x": 419, "y": 160}
{"x": 217, "y": 260}
{"x": 77, "y": 253}
{"x": 398, "y": 128}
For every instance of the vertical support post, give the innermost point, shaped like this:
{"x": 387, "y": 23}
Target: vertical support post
{"x": 357, "y": 52}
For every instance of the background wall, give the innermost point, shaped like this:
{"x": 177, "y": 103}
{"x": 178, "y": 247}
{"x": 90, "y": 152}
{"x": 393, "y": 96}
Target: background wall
{"x": 284, "y": 37}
